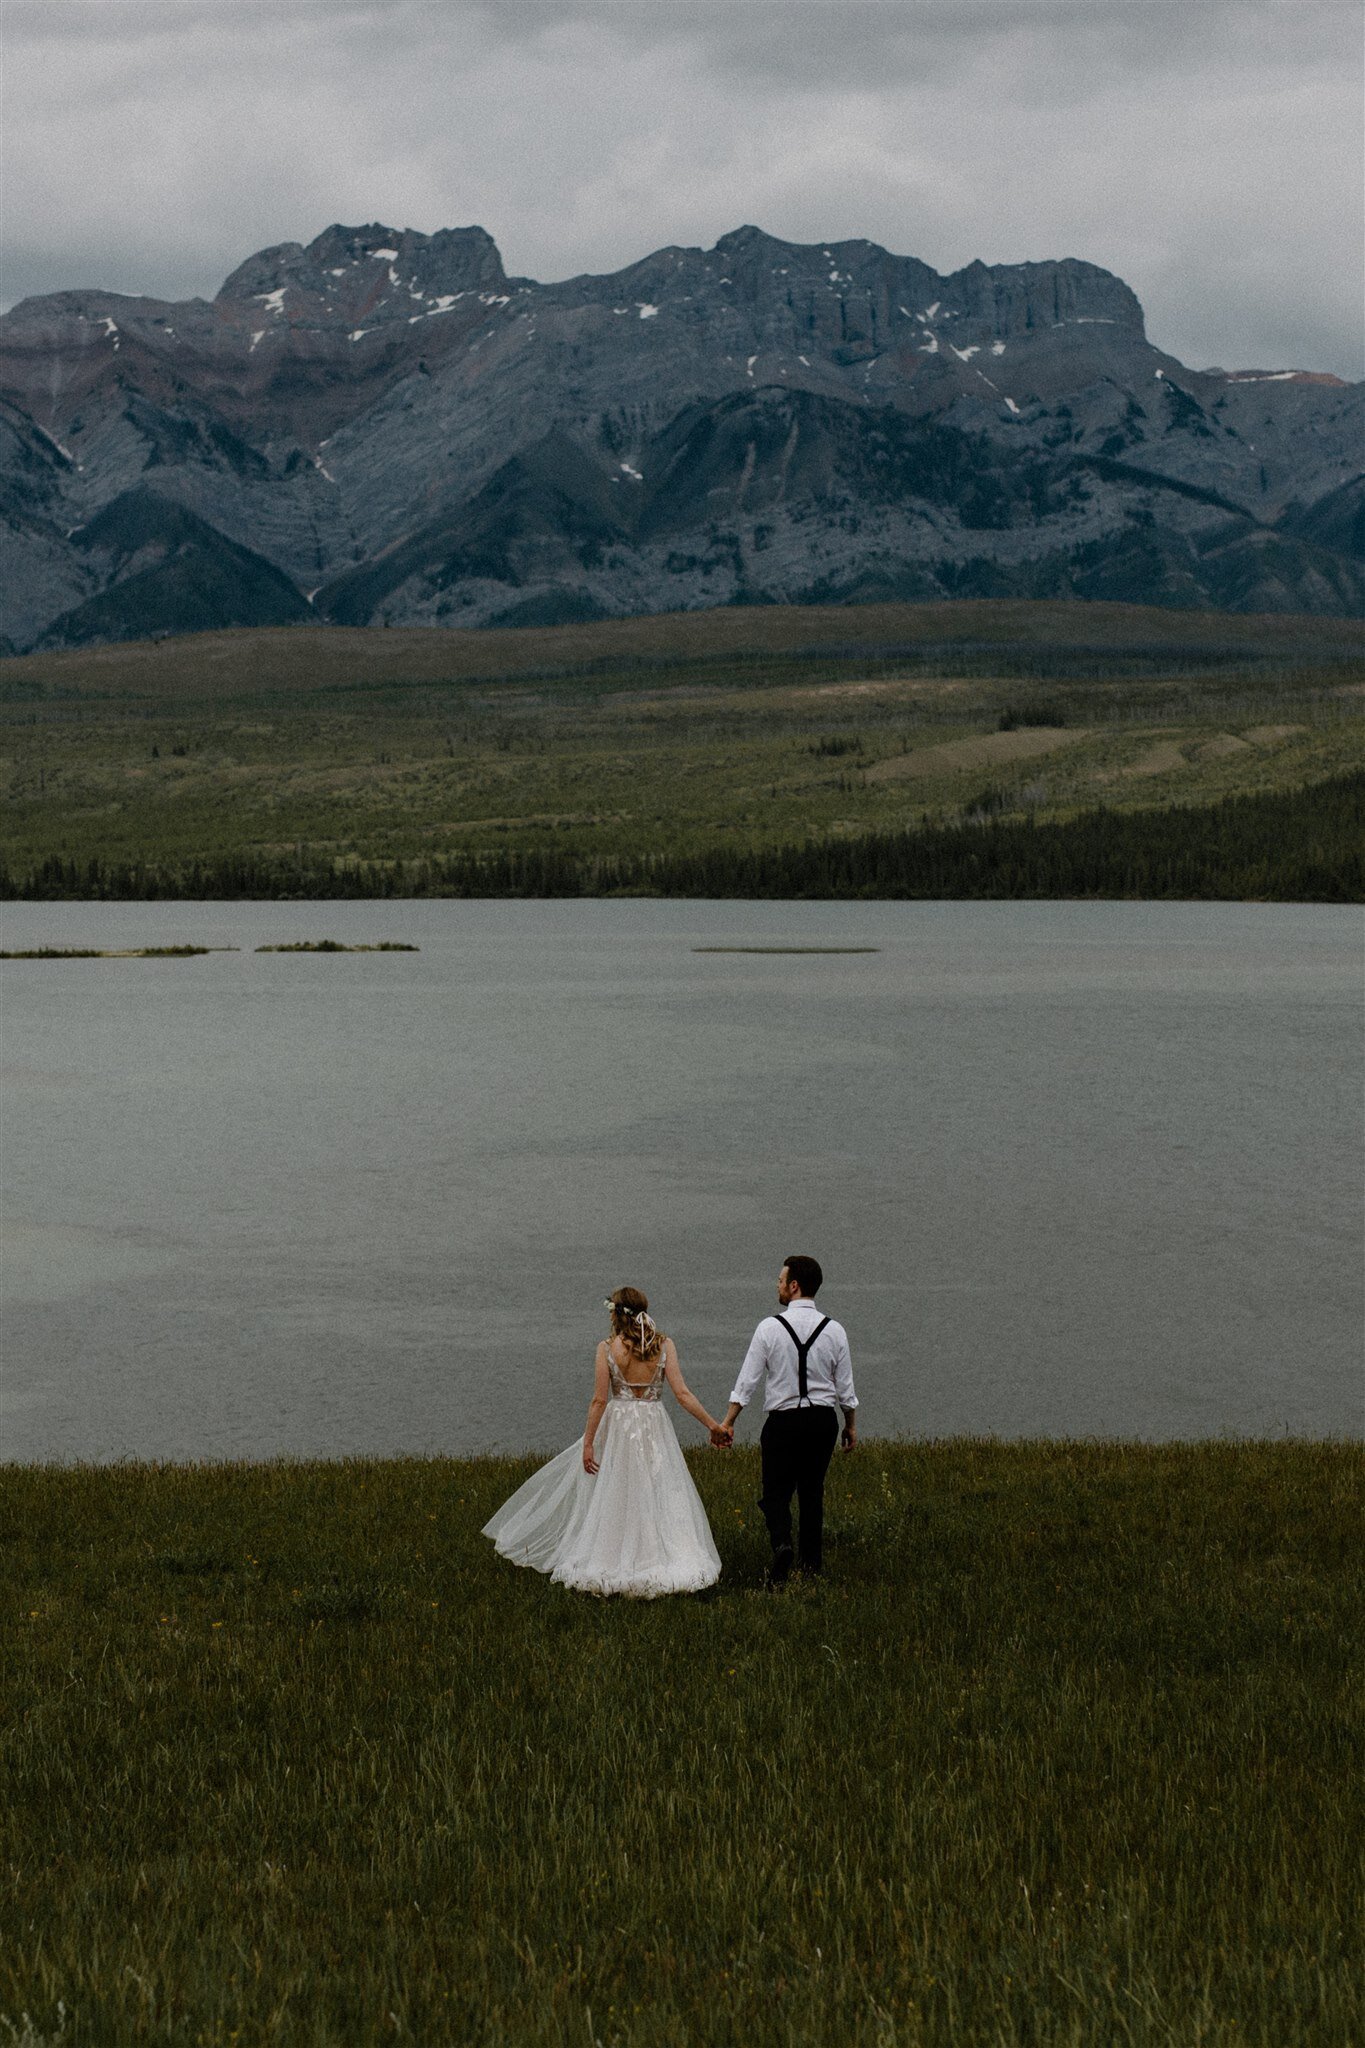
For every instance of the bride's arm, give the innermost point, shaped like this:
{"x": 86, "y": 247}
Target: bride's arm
{"x": 682, "y": 1393}
{"x": 597, "y": 1407}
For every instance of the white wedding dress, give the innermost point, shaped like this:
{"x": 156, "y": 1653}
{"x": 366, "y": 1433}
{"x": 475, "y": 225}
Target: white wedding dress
{"x": 637, "y": 1527}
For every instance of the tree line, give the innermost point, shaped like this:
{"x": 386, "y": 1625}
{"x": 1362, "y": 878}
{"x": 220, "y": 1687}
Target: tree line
{"x": 1304, "y": 845}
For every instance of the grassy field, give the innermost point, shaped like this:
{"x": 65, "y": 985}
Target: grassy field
{"x": 749, "y": 729}
{"x": 1065, "y": 1750}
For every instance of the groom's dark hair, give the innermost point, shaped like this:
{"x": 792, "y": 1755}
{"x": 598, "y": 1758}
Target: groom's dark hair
{"x": 805, "y": 1272}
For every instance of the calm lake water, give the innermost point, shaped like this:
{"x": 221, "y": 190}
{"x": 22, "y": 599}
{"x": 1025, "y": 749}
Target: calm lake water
{"x": 1072, "y": 1169}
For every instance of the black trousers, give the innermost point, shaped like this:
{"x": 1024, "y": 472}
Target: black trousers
{"x": 797, "y": 1445}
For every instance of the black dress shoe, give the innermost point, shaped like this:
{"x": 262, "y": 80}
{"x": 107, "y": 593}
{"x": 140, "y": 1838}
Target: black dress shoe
{"x": 780, "y": 1570}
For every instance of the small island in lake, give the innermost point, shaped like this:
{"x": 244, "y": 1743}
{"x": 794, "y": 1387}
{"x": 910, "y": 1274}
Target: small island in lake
{"x": 113, "y": 952}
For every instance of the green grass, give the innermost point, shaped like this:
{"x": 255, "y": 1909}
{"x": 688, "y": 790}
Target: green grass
{"x": 753, "y": 729}
{"x": 1065, "y": 1750}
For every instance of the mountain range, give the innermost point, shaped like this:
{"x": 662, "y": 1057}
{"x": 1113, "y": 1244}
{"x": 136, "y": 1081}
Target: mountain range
{"x": 383, "y": 427}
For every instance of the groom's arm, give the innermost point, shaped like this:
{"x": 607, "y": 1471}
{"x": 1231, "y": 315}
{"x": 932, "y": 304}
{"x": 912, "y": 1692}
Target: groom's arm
{"x": 844, "y": 1394}
{"x": 750, "y": 1377}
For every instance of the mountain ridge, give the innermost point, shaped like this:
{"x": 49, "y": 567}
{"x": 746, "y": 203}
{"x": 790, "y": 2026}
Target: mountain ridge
{"x": 356, "y": 402}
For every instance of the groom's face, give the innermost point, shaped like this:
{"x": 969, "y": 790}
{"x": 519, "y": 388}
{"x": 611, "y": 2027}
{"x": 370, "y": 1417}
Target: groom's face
{"x": 787, "y": 1289}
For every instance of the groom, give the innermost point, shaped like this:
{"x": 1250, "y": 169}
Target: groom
{"x": 800, "y": 1358}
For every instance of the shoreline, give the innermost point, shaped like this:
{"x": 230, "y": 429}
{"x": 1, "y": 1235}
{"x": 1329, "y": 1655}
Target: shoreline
{"x": 1022, "y": 1447}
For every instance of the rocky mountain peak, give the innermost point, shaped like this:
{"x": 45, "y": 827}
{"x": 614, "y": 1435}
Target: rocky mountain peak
{"x": 356, "y": 263}
{"x": 1033, "y": 297}
{"x": 749, "y": 241}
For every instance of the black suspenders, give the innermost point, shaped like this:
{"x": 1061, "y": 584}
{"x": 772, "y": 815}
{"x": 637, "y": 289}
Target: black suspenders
{"x": 802, "y": 1354}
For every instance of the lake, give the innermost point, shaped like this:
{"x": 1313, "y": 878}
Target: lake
{"x": 1071, "y": 1169}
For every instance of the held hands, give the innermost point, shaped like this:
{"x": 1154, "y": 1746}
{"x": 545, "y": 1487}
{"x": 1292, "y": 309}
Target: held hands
{"x": 721, "y": 1437}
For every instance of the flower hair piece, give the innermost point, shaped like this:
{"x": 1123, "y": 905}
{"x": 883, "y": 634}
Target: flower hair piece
{"x": 644, "y": 1336}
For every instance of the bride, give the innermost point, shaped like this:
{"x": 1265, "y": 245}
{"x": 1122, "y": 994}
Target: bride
{"x": 619, "y": 1513}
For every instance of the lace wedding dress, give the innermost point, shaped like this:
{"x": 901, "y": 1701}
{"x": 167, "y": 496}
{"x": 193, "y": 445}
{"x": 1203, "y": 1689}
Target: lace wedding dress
{"x": 637, "y": 1527}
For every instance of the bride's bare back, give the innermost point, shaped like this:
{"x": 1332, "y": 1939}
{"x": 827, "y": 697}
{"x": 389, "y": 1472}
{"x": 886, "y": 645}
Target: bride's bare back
{"x": 643, "y": 1375}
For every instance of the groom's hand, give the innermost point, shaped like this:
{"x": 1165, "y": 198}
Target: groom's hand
{"x": 850, "y": 1437}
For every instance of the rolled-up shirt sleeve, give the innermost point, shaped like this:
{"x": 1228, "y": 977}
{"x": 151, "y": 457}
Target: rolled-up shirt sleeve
{"x": 751, "y": 1372}
{"x": 843, "y": 1375}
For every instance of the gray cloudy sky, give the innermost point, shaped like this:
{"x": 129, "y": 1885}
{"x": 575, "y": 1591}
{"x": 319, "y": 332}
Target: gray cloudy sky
{"x": 1209, "y": 151}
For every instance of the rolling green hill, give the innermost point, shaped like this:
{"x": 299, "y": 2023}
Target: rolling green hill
{"x": 307, "y": 757}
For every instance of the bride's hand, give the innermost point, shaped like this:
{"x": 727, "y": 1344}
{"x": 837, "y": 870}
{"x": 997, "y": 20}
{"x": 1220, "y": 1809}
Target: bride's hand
{"x": 589, "y": 1462}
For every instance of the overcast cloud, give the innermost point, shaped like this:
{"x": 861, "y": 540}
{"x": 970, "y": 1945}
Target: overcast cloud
{"x": 1209, "y": 151}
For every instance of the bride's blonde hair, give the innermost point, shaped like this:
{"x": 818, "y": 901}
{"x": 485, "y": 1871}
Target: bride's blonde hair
{"x": 633, "y": 1324}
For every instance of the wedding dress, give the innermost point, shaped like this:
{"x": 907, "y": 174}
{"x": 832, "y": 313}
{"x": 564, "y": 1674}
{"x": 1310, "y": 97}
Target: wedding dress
{"x": 637, "y": 1527}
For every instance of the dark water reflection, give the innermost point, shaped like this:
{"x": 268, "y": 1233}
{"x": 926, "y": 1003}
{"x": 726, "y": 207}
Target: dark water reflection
{"x": 1071, "y": 1168}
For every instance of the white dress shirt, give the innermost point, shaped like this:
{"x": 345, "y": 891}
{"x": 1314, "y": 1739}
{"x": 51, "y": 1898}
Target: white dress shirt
{"x": 771, "y": 1358}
